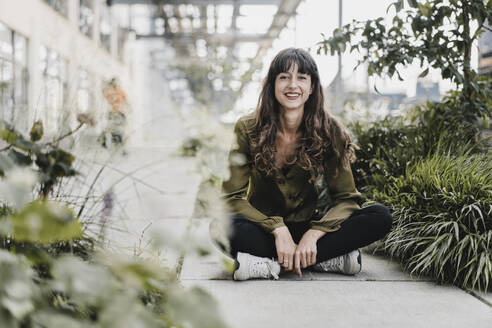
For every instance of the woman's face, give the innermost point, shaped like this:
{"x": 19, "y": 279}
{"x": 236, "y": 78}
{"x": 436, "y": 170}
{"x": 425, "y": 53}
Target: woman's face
{"x": 292, "y": 89}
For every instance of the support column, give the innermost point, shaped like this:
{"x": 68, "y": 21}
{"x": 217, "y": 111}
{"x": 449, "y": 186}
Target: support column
{"x": 96, "y": 6}
{"x": 114, "y": 36}
{"x": 35, "y": 110}
{"x": 71, "y": 105}
{"x": 73, "y": 7}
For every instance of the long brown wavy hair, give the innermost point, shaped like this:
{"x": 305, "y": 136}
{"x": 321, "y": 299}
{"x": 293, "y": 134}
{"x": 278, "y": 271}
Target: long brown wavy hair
{"x": 322, "y": 136}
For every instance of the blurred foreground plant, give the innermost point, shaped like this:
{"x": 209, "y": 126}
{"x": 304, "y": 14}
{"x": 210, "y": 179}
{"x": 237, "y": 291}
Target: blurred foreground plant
{"x": 50, "y": 272}
{"x": 209, "y": 141}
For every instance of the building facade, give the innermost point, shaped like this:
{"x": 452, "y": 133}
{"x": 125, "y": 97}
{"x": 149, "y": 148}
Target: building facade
{"x": 485, "y": 56}
{"x": 55, "y": 56}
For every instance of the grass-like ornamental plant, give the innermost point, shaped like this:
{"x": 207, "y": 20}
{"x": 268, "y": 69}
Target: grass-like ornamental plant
{"x": 442, "y": 210}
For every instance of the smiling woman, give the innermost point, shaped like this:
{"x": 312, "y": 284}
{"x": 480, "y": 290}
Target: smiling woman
{"x": 293, "y": 196}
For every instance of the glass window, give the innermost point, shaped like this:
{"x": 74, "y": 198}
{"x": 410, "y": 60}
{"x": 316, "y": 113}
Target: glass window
{"x": 122, "y": 37}
{"x": 86, "y": 19}
{"x": 59, "y": 5}
{"x": 83, "y": 97}
{"x": 13, "y": 77}
{"x": 84, "y": 92}
{"x": 53, "y": 90}
{"x": 105, "y": 28}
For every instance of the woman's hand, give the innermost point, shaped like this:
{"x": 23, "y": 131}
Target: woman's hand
{"x": 285, "y": 247}
{"x": 305, "y": 254}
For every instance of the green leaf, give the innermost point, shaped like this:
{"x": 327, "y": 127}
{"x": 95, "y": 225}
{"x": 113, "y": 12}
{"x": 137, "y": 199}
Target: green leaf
{"x": 45, "y": 222}
{"x": 19, "y": 158}
{"x": 63, "y": 170}
{"x": 425, "y": 9}
{"x": 424, "y": 73}
{"x": 6, "y": 163}
{"x": 8, "y": 134}
{"x": 413, "y": 3}
{"x": 62, "y": 156}
{"x": 195, "y": 308}
{"x": 139, "y": 274}
{"x": 50, "y": 318}
{"x": 24, "y": 144}
{"x": 376, "y": 89}
{"x": 17, "y": 288}
{"x": 36, "y": 131}
{"x": 398, "y": 6}
{"x": 85, "y": 283}
{"x": 43, "y": 161}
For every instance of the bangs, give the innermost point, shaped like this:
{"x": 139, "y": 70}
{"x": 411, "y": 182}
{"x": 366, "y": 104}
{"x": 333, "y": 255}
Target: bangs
{"x": 286, "y": 59}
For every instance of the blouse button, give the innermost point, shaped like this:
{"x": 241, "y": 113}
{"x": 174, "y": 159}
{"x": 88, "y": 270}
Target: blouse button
{"x": 316, "y": 211}
{"x": 292, "y": 197}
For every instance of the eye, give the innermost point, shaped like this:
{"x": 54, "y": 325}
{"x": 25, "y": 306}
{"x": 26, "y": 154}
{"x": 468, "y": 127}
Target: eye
{"x": 283, "y": 77}
{"x": 302, "y": 77}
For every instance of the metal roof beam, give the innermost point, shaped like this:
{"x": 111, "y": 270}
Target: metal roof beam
{"x": 217, "y": 38}
{"x": 285, "y": 11}
{"x": 235, "y": 14}
{"x": 195, "y": 2}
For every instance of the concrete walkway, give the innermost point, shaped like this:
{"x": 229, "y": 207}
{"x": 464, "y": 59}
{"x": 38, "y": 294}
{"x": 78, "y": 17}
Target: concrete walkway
{"x": 382, "y": 295}
{"x": 160, "y": 204}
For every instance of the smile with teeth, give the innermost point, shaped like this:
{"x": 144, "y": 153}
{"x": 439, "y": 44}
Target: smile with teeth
{"x": 292, "y": 95}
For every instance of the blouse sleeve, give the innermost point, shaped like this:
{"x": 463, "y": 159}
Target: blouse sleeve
{"x": 235, "y": 189}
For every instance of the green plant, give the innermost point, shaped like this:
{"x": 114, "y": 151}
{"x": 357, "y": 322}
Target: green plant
{"x": 51, "y": 273}
{"x": 209, "y": 81}
{"x": 205, "y": 142}
{"x": 388, "y": 146}
{"x": 437, "y": 34}
{"x": 430, "y": 167}
{"x": 48, "y": 161}
{"x": 442, "y": 210}
{"x": 107, "y": 292}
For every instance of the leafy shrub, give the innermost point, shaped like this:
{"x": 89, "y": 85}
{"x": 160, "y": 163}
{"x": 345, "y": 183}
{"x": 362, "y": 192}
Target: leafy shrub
{"x": 388, "y": 146}
{"x": 442, "y": 215}
{"x": 442, "y": 209}
{"x": 110, "y": 292}
{"x": 49, "y": 161}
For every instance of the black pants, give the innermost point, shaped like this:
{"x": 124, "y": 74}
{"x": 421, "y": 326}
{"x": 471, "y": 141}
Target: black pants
{"x": 362, "y": 228}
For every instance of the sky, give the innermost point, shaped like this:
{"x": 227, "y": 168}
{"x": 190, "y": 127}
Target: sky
{"x": 321, "y": 16}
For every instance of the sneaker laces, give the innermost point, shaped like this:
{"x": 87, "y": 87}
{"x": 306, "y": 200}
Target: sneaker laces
{"x": 333, "y": 264}
{"x": 263, "y": 268}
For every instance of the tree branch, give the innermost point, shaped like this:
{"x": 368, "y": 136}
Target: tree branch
{"x": 6, "y": 148}
{"x": 69, "y": 133}
{"x": 475, "y": 34}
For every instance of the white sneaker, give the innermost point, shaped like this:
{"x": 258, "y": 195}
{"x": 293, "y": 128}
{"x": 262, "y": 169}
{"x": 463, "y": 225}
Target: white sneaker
{"x": 251, "y": 267}
{"x": 350, "y": 263}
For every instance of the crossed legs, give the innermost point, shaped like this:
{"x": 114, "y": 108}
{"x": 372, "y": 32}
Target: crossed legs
{"x": 362, "y": 228}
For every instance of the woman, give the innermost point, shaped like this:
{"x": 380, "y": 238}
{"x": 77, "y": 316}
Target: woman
{"x": 291, "y": 189}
